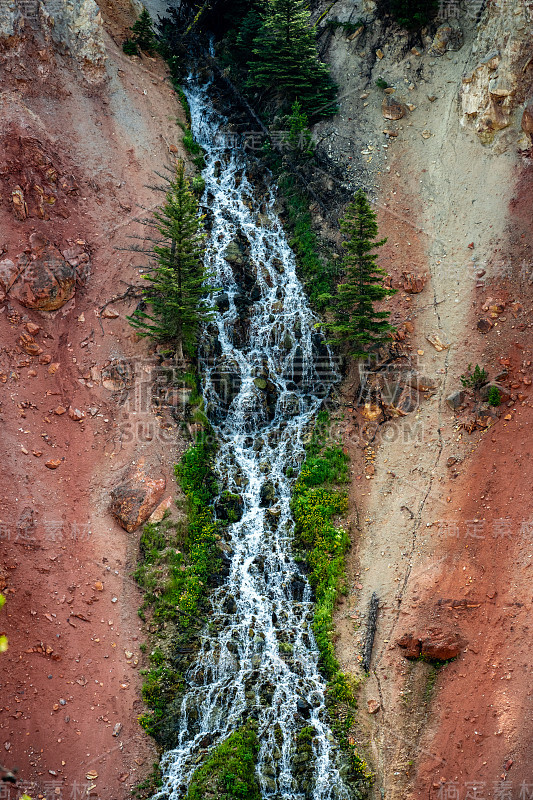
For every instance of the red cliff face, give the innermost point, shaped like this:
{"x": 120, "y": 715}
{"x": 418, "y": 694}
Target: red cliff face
{"x": 78, "y": 145}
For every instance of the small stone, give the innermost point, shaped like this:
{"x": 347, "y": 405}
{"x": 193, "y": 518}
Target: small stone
{"x": 76, "y": 414}
{"x": 128, "y": 654}
{"x": 117, "y": 729}
{"x": 110, "y": 313}
{"x": 484, "y": 325}
{"x": 53, "y": 463}
{"x": 432, "y": 98}
{"x": 7, "y": 745}
{"x": 373, "y": 706}
{"x": 60, "y": 410}
{"x": 392, "y": 108}
{"x": 81, "y": 318}
{"x": 379, "y": 54}
{"x": 32, "y": 328}
{"x": 426, "y": 134}
{"x": 45, "y": 358}
{"x": 99, "y": 586}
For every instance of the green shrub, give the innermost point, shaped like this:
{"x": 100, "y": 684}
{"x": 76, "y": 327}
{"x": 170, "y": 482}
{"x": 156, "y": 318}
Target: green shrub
{"x": 494, "y": 397}
{"x": 198, "y": 184}
{"x": 410, "y": 14}
{"x": 130, "y": 48}
{"x": 381, "y": 83}
{"x": 474, "y": 379}
{"x": 317, "y": 275}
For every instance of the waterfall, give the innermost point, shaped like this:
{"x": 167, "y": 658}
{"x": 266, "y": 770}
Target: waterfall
{"x": 265, "y": 372}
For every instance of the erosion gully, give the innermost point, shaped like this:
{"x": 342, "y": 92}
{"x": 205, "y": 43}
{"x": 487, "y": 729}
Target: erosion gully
{"x": 265, "y": 373}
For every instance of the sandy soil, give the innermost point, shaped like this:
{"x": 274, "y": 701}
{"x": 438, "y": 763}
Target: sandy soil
{"x": 71, "y": 674}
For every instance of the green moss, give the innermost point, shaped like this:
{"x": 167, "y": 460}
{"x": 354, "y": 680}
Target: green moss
{"x": 177, "y": 563}
{"x": 317, "y": 274}
{"x": 229, "y": 771}
{"x": 317, "y": 499}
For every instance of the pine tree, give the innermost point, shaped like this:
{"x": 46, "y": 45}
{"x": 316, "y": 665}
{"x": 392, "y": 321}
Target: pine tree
{"x": 176, "y": 291}
{"x": 143, "y": 30}
{"x": 357, "y": 323}
{"x": 299, "y": 138}
{"x": 285, "y": 60}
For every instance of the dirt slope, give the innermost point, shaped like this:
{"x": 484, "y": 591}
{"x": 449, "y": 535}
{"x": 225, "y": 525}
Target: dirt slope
{"x": 452, "y": 209}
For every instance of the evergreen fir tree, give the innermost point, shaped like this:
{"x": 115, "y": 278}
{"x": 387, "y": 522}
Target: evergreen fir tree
{"x": 176, "y": 292}
{"x": 357, "y": 323}
{"x": 299, "y": 138}
{"x": 143, "y": 31}
{"x": 285, "y": 60}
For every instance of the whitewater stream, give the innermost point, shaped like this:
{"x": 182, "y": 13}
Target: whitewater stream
{"x": 265, "y": 372}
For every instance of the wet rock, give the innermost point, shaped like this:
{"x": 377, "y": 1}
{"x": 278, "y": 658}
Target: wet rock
{"x": 391, "y": 108}
{"x": 136, "y": 497}
{"x": 267, "y": 494}
{"x": 230, "y": 605}
{"x": 229, "y": 507}
{"x": 222, "y": 302}
{"x": 226, "y": 381}
{"x": 303, "y": 708}
{"x": 44, "y": 280}
{"x": 456, "y": 399}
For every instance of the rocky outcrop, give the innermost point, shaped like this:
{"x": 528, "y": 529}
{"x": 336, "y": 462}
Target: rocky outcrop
{"x": 433, "y": 645}
{"x": 42, "y": 279}
{"x": 133, "y": 501}
{"x": 74, "y": 26}
{"x": 498, "y": 82}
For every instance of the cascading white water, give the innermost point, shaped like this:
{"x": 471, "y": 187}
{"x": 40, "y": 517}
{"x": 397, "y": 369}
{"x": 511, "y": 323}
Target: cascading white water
{"x": 264, "y": 379}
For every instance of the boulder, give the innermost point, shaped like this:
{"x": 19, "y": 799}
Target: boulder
{"x": 413, "y": 284}
{"x": 391, "y": 108}
{"x": 267, "y": 494}
{"x": 504, "y": 393}
{"x": 45, "y": 280}
{"x": 133, "y": 501}
{"x": 456, "y": 399}
{"x": 433, "y": 645}
{"x": 226, "y": 381}
{"x": 447, "y": 37}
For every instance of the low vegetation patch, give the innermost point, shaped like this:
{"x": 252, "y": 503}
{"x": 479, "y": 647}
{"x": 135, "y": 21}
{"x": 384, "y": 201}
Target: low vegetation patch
{"x": 229, "y": 771}
{"x": 317, "y": 500}
{"x": 177, "y": 563}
